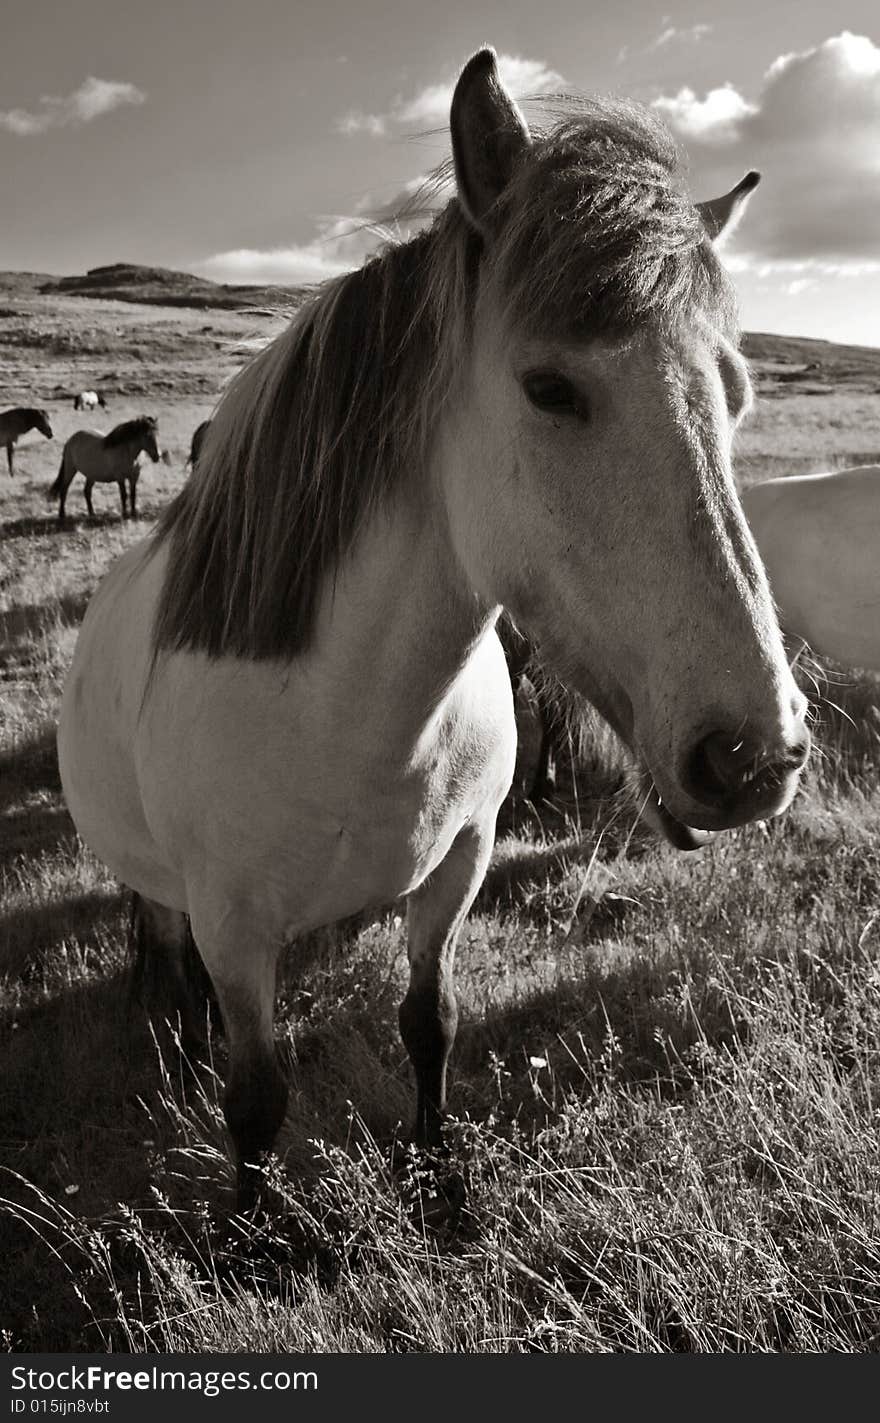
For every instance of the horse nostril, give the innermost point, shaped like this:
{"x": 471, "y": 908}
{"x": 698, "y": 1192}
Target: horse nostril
{"x": 718, "y": 764}
{"x": 723, "y": 764}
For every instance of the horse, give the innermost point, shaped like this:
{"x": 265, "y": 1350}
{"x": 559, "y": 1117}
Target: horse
{"x": 106, "y": 459}
{"x": 198, "y": 440}
{"x": 89, "y": 400}
{"x": 290, "y": 702}
{"x": 554, "y": 732}
{"x": 819, "y": 539}
{"x": 17, "y": 422}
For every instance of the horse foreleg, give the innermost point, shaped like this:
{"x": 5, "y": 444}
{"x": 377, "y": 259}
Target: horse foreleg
{"x": 132, "y": 487}
{"x": 429, "y": 1012}
{"x": 10, "y": 446}
{"x": 89, "y": 483}
{"x": 242, "y": 968}
{"x": 123, "y": 498}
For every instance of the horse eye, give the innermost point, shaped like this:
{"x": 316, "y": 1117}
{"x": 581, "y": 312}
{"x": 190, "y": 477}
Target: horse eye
{"x": 552, "y": 392}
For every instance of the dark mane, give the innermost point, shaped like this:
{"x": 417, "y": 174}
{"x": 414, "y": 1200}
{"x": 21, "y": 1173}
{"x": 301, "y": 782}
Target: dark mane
{"x": 320, "y": 428}
{"x": 130, "y": 430}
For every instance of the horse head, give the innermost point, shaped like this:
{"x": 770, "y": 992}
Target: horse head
{"x": 587, "y": 472}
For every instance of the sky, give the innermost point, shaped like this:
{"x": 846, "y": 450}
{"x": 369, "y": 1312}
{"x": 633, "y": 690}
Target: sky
{"x": 259, "y": 141}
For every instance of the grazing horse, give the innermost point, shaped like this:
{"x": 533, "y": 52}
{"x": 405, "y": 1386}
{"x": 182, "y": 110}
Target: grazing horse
{"x": 16, "y": 422}
{"x": 198, "y": 440}
{"x": 521, "y": 662}
{"x": 291, "y": 702}
{"x": 106, "y": 459}
{"x": 89, "y": 400}
{"x": 819, "y": 538}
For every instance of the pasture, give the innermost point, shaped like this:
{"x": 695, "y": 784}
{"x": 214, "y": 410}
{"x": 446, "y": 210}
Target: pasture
{"x": 666, "y": 1082}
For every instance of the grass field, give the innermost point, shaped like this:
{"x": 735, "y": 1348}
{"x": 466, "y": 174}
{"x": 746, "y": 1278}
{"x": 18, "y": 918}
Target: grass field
{"x": 667, "y": 1078}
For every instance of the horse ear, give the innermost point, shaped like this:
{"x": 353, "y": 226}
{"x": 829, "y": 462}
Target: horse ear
{"x": 721, "y": 215}
{"x": 488, "y": 136}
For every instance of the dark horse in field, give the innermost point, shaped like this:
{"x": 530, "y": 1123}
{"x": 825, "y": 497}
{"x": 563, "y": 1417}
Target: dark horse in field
{"x": 16, "y": 422}
{"x": 196, "y": 443}
{"x": 522, "y": 664}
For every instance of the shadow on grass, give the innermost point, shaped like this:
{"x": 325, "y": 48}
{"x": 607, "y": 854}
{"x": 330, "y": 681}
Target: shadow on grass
{"x": 36, "y": 934}
{"x": 85, "y": 1104}
{"x": 29, "y": 769}
{"x": 30, "y": 834}
{"x": 31, "y": 525}
{"x": 76, "y": 1072}
{"x": 34, "y": 618}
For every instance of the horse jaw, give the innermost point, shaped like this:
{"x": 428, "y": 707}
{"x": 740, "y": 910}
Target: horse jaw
{"x": 661, "y": 819}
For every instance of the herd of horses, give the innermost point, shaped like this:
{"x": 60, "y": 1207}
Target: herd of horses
{"x": 289, "y": 702}
{"x": 101, "y": 459}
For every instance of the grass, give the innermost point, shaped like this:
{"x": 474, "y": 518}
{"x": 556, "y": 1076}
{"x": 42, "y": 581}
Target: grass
{"x": 666, "y": 1081}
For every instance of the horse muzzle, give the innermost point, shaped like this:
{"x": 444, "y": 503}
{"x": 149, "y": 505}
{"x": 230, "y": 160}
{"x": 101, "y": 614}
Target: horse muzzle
{"x": 726, "y": 779}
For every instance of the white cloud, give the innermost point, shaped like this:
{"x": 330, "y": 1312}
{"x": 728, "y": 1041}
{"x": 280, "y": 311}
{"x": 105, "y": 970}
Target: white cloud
{"x": 342, "y": 243}
{"x": 691, "y": 33}
{"x": 800, "y": 284}
{"x": 355, "y": 121}
{"x": 715, "y": 119}
{"x": 813, "y": 130}
{"x": 430, "y": 105}
{"x": 93, "y": 98}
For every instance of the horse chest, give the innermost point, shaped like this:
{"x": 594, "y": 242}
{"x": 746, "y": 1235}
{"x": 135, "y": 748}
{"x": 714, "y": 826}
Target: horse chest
{"x": 324, "y": 817}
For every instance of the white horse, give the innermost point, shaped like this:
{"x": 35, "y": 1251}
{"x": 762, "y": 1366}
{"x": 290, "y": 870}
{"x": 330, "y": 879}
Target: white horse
{"x": 292, "y": 703}
{"x": 89, "y": 400}
{"x": 819, "y": 538}
{"x": 106, "y": 459}
{"x": 17, "y": 422}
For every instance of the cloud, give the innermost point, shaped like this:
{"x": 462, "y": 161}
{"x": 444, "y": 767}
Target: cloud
{"x": 341, "y": 244}
{"x": 430, "y": 105}
{"x": 355, "y": 121}
{"x": 715, "y": 119}
{"x": 93, "y": 98}
{"x": 691, "y": 34}
{"x": 814, "y": 131}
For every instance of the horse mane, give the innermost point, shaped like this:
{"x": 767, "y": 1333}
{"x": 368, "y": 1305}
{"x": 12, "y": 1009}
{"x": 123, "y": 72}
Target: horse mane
{"x": 130, "y": 430}
{"x": 313, "y": 435}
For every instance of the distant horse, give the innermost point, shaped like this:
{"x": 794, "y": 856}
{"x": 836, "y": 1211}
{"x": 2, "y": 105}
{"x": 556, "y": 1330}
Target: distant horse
{"x": 89, "y": 400}
{"x": 106, "y": 459}
{"x": 16, "y": 422}
{"x": 521, "y": 662}
{"x": 291, "y": 702}
{"x": 198, "y": 440}
{"x": 819, "y": 538}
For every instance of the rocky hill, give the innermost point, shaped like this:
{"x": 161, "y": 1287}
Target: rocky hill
{"x": 151, "y": 286}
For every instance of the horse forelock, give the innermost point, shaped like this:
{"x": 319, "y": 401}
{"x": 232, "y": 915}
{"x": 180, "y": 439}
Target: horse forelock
{"x": 594, "y": 237}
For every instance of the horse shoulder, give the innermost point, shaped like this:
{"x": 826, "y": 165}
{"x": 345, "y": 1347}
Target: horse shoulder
{"x": 245, "y": 773}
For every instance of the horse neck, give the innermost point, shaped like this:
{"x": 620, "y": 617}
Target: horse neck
{"x": 401, "y": 624}
{"x": 128, "y": 451}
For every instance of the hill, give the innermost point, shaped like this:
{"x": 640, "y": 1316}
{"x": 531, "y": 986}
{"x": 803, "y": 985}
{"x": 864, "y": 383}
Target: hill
{"x": 810, "y": 365}
{"x": 776, "y": 360}
{"x": 151, "y": 286}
